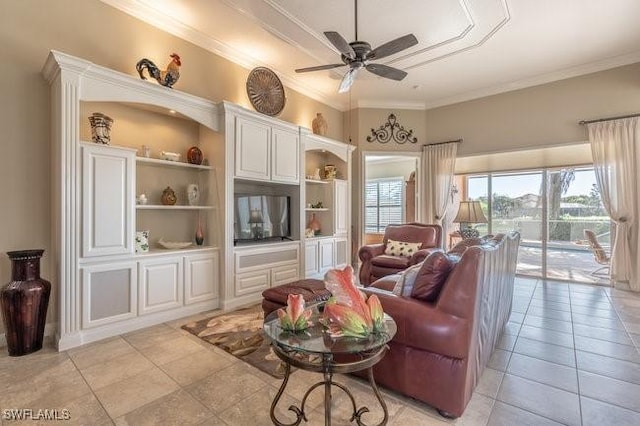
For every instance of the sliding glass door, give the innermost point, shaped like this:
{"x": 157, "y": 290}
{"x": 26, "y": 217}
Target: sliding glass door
{"x": 551, "y": 209}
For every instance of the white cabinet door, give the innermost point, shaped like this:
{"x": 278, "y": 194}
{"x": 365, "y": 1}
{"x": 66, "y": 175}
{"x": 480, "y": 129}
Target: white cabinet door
{"x": 341, "y": 207}
{"x": 327, "y": 252}
{"x": 160, "y": 284}
{"x": 284, "y": 156}
{"x": 108, "y": 293}
{"x": 342, "y": 252}
{"x": 107, "y": 200}
{"x": 253, "y": 149}
{"x": 200, "y": 277}
{"x": 311, "y": 258}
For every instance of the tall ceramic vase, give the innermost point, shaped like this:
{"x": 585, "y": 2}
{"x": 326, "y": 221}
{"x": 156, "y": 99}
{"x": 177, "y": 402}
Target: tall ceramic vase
{"x": 24, "y": 303}
{"x": 314, "y": 224}
{"x": 199, "y": 234}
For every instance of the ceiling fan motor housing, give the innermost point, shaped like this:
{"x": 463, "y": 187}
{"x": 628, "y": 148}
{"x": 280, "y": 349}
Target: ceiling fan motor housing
{"x": 361, "y": 48}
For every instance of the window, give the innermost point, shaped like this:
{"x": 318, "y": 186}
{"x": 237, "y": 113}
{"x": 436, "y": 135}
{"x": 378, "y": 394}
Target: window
{"x": 384, "y": 203}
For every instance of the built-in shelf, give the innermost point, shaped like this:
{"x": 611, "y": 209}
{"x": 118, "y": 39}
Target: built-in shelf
{"x": 317, "y": 181}
{"x": 153, "y": 251}
{"x": 316, "y": 210}
{"x": 167, "y": 163}
{"x": 174, "y": 207}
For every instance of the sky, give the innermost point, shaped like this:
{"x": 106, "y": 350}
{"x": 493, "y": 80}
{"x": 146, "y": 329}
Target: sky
{"x": 515, "y": 185}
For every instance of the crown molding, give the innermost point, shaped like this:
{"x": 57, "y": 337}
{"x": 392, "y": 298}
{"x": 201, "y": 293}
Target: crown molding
{"x": 172, "y": 26}
{"x": 577, "y": 71}
{"x": 407, "y": 105}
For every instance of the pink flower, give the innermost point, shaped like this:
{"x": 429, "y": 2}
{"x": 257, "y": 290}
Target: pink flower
{"x": 344, "y": 321}
{"x": 341, "y": 285}
{"x": 295, "y": 317}
{"x": 377, "y": 314}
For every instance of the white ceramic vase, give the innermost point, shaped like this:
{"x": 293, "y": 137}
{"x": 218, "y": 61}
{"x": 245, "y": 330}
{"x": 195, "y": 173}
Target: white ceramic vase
{"x": 193, "y": 194}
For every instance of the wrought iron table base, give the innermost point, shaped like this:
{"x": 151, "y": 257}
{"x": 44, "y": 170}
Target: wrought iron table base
{"x": 328, "y": 367}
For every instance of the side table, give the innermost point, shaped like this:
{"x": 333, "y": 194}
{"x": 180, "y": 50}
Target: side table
{"x": 315, "y": 350}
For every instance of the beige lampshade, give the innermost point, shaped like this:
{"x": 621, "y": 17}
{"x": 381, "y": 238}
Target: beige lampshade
{"x": 470, "y": 212}
{"x": 255, "y": 216}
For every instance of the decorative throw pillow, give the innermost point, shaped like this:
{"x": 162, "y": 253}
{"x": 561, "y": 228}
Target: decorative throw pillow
{"x": 405, "y": 283}
{"x": 401, "y": 248}
{"x": 431, "y": 277}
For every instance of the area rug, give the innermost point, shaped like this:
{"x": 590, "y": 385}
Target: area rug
{"x": 240, "y": 333}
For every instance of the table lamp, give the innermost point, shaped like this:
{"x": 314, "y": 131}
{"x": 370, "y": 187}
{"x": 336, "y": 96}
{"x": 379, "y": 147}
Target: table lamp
{"x": 469, "y": 212}
{"x": 255, "y": 220}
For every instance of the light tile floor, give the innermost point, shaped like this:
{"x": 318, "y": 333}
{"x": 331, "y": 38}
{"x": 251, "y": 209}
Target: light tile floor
{"x": 569, "y": 355}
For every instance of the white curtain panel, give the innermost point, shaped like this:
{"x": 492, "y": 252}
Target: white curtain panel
{"x": 438, "y": 164}
{"x": 616, "y": 158}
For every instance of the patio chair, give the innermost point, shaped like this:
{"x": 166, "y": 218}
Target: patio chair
{"x": 598, "y": 253}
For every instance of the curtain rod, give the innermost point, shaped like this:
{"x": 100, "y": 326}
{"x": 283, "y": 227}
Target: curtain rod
{"x": 583, "y": 122}
{"x": 442, "y": 143}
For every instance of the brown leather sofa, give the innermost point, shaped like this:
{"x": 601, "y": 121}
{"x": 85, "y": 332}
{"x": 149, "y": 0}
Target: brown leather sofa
{"x": 375, "y": 264}
{"x": 441, "y": 348}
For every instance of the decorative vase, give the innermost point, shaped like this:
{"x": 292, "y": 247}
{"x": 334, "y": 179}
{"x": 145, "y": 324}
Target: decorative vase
{"x": 314, "y": 224}
{"x": 330, "y": 172}
{"x": 194, "y": 155}
{"x": 168, "y": 197}
{"x": 193, "y": 194}
{"x": 199, "y": 234}
{"x": 24, "y": 303}
{"x": 100, "y": 128}
{"x": 319, "y": 125}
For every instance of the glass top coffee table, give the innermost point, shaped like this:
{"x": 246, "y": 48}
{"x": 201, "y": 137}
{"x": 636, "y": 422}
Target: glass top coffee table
{"x": 315, "y": 350}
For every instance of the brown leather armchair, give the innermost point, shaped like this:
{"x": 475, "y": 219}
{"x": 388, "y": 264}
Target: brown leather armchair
{"x": 375, "y": 264}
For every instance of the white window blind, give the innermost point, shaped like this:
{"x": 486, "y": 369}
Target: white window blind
{"x": 384, "y": 203}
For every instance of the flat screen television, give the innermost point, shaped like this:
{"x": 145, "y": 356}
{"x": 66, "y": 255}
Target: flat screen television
{"x": 261, "y": 217}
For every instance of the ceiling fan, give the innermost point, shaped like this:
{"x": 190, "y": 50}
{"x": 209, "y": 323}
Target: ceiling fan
{"x": 358, "y": 54}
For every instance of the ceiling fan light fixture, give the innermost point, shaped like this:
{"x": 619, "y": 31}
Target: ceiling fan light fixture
{"x": 357, "y": 55}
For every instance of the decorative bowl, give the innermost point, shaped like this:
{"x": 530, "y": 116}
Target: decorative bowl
{"x": 170, "y": 156}
{"x": 174, "y": 245}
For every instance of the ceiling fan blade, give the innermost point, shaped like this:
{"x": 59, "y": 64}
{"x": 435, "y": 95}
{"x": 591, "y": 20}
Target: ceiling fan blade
{"x": 320, "y": 67}
{"x": 386, "y": 71}
{"x": 340, "y": 43}
{"x": 394, "y": 46}
{"x": 348, "y": 79}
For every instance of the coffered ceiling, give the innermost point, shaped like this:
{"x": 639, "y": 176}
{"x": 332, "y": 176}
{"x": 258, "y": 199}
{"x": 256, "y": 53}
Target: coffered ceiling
{"x": 466, "y": 48}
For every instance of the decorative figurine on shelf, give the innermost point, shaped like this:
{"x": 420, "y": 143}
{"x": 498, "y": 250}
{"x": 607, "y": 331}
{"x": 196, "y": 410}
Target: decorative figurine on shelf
{"x": 194, "y": 155}
{"x": 319, "y": 125}
{"x": 168, "y": 197}
{"x": 317, "y": 205}
{"x": 168, "y": 77}
{"x": 100, "y": 128}
{"x": 330, "y": 172}
{"x": 142, "y": 199}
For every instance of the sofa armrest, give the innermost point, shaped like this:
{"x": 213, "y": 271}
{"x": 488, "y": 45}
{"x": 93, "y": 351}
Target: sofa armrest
{"x": 422, "y": 326}
{"x": 420, "y": 255}
{"x": 366, "y": 253}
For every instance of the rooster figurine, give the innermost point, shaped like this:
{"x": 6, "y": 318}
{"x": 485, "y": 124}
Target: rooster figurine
{"x": 167, "y": 78}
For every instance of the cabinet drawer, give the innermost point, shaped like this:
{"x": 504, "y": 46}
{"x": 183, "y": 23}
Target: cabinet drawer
{"x": 253, "y": 282}
{"x": 284, "y": 274}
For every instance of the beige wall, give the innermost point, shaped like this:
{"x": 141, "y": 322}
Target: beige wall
{"x": 537, "y": 116}
{"x": 99, "y": 33}
{"x": 388, "y": 169}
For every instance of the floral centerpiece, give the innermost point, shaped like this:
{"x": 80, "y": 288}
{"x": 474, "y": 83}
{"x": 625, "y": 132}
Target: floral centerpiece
{"x": 294, "y": 317}
{"x": 349, "y": 312}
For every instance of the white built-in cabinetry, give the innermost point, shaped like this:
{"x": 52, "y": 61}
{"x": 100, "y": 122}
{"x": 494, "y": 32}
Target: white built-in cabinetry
{"x": 330, "y": 248}
{"x": 104, "y": 287}
{"x": 264, "y": 149}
